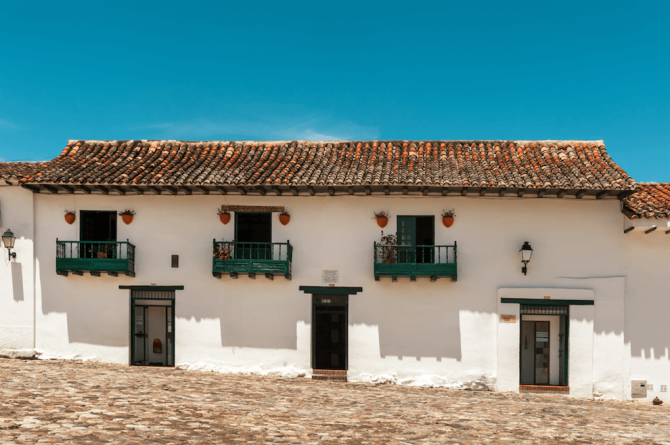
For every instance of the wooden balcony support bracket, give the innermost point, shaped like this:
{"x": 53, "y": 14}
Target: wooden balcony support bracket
{"x": 630, "y": 229}
{"x": 376, "y": 277}
{"x": 602, "y": 194}
{"x": 412, "y": 278}
{"x": 252, "y": 275}
{"x": 561, "y": 193}
{"x": 667, "y": 232}
{"x": 580, "y": 194}
{"x": 288, "y": 276}
{"x": 269, "y": 276}
{"x": 646, "y": 232}
{"x": 113, "y": 274}
{"x": 433, "y": 278}
{"x": 520, "y": 192}
{"x": 216, "y": 275}
{"x": 233, "y": 275}
{"x": 394, "y": 278}
{"x": 94, "y": 273}
{"x": 63, "y": 273}
{"x": 77, "y": 272}
{"x": 130, "y": 274}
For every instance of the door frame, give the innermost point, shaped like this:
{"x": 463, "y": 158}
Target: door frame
{"x": 330, "y": 301}
{"x": 157, "y": 295}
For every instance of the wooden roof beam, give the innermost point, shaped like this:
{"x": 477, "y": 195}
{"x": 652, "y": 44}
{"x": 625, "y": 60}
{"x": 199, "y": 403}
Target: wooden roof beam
{"x": 203, "y": 189}
{"x": 153, "y": 190}
{"x": 84, "y": 189}
{"x": 580, "y": 194}
{"x": 520, "y": 192}
{"x": 294, "y": 190}
{"x": 482, "y": 191}
{"x": 311, "y": 190}
{"x": 630, "y": 229}
{"x": 464, "y": 191}
{"x": 277, "y": 191}
{"x": 103, "y": 189}
{"x": 51, "y": 188}
{"x": 119, "y": 190}
{"x": 541, "y": 192}
{"x": 561, "y": 193}
{"x": 602, "y": 194}
{"x": 502, "y": 192}
{"x": 647, "y": 232}
{"x": 241, "y": 190}
{"x": 222, "y": 190}
{"x": 139, "y": 190}
{"x": 171, "y": 190}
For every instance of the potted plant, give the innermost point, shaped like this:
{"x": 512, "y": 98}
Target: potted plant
{"x": 224, "y": 216}
{"x": 389, "y": 248}
{"x": 382, "y": 218}
{"x": 127, "y": 216}
{"x": 284, "y": 217}
{"x": 224, "y": 250}
{"x": 448, "y": 217}
{"x": 70, "y": 216}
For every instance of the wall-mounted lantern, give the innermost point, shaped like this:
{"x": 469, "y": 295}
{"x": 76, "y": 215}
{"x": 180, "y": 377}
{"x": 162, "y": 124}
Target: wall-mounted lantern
{"x": 8, "y": 239}
{"x": 526, "y": 253}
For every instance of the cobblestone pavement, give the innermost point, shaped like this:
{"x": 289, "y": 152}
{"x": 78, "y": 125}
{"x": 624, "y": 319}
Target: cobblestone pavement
{"x": 75, "y": 402}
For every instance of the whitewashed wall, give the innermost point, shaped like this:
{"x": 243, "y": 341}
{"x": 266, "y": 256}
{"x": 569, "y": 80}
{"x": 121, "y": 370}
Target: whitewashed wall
{"x": 444, "y": 333}
{"x": 17, "y": 276}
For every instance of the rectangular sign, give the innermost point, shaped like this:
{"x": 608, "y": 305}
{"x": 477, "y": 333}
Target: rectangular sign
{"x": 252, "y": 209}
{"x": 330, "y": 276}
{"x": 508, "y": 318}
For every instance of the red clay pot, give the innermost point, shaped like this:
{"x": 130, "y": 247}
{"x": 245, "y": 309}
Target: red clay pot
{"x": 225, "y": 218}
{"x": 382, "y": 221}
{"x": 448, "y": 221}
{"x": 70, "y": 217}
{"x": 284, "y": 219}
{"x": 127, "y": 218}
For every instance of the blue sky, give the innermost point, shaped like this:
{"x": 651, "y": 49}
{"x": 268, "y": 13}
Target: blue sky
{"x": 341, "y": 70}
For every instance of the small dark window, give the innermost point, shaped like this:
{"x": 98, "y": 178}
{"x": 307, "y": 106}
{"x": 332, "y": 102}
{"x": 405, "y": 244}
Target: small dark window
{"x": 253, "y": 235}
{"x": 175, "y": 260}
{"x": 98, "y": 226}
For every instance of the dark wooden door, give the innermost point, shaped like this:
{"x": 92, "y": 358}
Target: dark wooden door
{"x": 330, "y": 337}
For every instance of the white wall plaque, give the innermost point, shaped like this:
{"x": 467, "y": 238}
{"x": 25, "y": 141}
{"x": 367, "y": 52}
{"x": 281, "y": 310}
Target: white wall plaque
{"x": 330, "y": 276}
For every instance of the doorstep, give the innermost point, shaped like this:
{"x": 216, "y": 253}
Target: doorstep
{"x": 329, "y": 374}
{"x": 543, "y": 388}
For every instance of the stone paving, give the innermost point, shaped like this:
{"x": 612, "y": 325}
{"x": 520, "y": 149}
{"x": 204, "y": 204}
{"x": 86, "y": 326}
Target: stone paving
{"x": 76, "y": 402}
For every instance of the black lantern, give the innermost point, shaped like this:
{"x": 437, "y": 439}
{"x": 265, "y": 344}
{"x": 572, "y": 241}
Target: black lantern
{"x": 526, "y": 253}
{"x": 8, "y": 239}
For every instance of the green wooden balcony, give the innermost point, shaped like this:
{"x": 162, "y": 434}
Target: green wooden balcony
{"x": 415, "y": 261}
{"x": 270, "y": 259}
{"x": 95, "y": 257}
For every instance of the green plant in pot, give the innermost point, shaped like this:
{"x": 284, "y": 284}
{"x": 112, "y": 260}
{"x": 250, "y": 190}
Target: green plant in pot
{"x": 388, "y": 253}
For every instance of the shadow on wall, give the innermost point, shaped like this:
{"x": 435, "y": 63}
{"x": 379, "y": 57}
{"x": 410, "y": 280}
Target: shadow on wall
{"x": 17, "y": 281}
{"x": 262, "y": 319}
{"x": 412, "y": 326}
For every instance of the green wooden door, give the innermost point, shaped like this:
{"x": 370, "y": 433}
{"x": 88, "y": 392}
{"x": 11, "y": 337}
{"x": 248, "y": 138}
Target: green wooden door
{"x": 407, "y": 237}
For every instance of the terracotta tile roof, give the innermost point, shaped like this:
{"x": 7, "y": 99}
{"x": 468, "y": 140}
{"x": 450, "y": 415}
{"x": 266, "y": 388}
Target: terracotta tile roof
{"x": 19, "y": 170}
{"x": 513, "y": 164}
{"x": 649, "y": 201}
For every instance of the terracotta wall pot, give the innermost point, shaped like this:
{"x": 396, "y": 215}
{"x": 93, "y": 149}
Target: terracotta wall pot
{"x": 448, "y": 221}
{"x": 284, "y": 219}
{"x": 225, "y": 218}
{"x": 70, "y": 217}
{"x": 127, "y": 218}
{"x": 382, "y": 221}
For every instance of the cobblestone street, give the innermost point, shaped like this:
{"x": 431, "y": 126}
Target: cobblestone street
{"x": 78, "y": 402}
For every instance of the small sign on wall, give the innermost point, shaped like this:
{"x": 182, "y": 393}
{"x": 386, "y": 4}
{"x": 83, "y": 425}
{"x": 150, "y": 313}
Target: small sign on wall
{"x": 508, "y": 318}
{"x": 330, "y": 276}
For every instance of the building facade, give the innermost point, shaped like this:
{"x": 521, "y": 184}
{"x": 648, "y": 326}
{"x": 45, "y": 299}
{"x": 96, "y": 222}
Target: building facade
{"x": 324, "y": 294}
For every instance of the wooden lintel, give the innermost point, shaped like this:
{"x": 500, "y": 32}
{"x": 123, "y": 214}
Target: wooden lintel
{"x": 311, "y": 190}
{"x": 646, "y": 232}
{"x": 294, "y": 191}
{"x": 561, "y": 193}
{"x": 277, "y": 191}
{"x": 269, "y": 276}
{"x": 630, "y": 229}
{"x": 482, "y": 191}
{"x": 252, "y": 209}
{"x": 405, "y": 190}
{"x": 541, "y": 192}
{"x": 204, "y": 190}
{"x": 241, "y": 190}
{"x": 331, "y": 191}
{"x": 261, "y": 190}
{"x": 520, "y": 193}
{"x": 502, "y": 192}
{"x": 171, "y": 190}
{"x": 119, "y": 190}
{"x": 252, "y": 275}
{"x": 602, "y": 194}
{"x": 103, "y": 189}
{"x": 464, "y": 191}
{"x": 580, "y": 194}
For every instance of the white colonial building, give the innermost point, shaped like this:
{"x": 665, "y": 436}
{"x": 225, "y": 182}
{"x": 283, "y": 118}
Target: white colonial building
{"x": 122, "y": 257}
